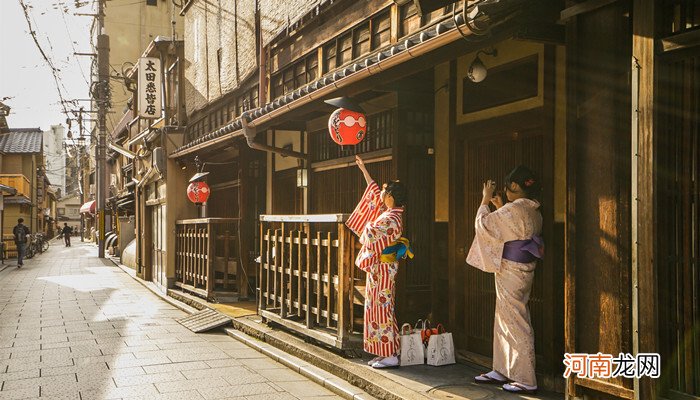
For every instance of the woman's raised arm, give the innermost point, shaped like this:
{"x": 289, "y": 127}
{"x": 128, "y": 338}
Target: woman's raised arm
{"x": 361, "y": 165}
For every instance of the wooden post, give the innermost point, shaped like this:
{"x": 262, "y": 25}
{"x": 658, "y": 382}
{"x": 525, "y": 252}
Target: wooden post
{"x": 282, "y": 265}
{"x": 307, "y": 234}
{"x": 344, "y": 300}
{"x": 645, "y": 320}
{"x": 227, "y": 237}
{"x": 264, "y": 257}
{"x": 299, "y": 269}
{"x": 329, "y": 271}
{"x": 211, "y": 248}
{"x": 319, "y": 278}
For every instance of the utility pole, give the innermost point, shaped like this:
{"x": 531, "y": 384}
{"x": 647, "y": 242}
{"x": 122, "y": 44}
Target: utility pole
{"x": 102, "y": 105}
{"x": 80, "y": 173}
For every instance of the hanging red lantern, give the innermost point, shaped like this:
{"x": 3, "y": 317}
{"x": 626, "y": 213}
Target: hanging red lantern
{"x": 198, "y": 192}
{"x": 347, "y": 127}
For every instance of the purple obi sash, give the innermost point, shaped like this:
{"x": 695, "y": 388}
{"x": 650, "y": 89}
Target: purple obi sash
{"x": 524, "y": 251}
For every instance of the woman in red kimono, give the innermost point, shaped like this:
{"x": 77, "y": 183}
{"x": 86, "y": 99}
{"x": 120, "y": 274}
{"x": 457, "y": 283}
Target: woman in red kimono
{"x": 377, "y": 221}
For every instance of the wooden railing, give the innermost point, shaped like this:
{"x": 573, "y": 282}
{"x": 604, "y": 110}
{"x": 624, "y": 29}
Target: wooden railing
{"x": 307, "y": 279}
{"x": 19, "y": 182}
{"x": 208, "y": 257}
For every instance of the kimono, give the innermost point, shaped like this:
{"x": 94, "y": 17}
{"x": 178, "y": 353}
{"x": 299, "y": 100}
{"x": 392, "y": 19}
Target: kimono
{"x": 378, "y": 228}
{"x": 513, "y": 336}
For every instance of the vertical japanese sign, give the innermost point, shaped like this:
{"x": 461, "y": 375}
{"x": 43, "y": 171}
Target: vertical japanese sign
{"x": 150, "y": 87}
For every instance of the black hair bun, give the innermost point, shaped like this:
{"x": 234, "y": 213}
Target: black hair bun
{"x": 398, "y": 192}
{"x": 526, "y": 179}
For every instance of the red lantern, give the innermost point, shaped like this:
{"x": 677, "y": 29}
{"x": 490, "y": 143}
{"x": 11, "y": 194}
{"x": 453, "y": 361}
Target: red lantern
{"x": 347, "y": 127}
{"x": 198, "y": 192}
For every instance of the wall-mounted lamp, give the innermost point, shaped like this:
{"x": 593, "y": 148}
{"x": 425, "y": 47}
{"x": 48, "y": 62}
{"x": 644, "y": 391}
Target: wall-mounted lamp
{"x": 181, "y": 164}
{"x": 302, "y": 178}
{"x": 477, "y": 70}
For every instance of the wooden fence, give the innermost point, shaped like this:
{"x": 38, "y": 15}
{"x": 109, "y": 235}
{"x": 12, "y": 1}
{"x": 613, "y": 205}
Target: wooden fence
{"x": 308, "y": 282}
{"x": 208, "y": 258}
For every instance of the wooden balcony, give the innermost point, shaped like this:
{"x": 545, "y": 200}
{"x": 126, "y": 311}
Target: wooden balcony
{"x": 307, "y": 278}
{"x": 208, "y": 258}
{"x": 19, "y": 182}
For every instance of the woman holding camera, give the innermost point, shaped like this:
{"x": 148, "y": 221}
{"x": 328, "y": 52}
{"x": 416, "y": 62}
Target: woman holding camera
{"x": 507, "y": 244}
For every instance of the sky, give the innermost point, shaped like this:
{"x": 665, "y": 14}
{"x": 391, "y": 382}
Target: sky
{"x": 26, "y": 82}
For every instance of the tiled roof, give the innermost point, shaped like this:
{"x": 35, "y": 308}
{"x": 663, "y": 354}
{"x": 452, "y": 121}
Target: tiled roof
{"x": 23, "y": 140}
{"x": 333, "y": 76}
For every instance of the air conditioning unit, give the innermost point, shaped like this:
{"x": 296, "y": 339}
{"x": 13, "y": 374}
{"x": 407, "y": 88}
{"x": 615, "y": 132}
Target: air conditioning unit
{"x": 92, "y": 188}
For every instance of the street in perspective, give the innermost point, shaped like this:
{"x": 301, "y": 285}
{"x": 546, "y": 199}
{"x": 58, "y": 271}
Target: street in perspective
{"x": 77, "y": 327}
{"x": 356, "y": 199}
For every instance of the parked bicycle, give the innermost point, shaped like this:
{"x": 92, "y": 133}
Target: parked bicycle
{"x": 37, "y": 245}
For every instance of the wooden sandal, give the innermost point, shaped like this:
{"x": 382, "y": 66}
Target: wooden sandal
{"x": 487, "y": 380}
{"x": 519, "y": 388}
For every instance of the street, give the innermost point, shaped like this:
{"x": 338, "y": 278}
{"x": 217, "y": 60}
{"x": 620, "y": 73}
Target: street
{"x": 73, "y": 326}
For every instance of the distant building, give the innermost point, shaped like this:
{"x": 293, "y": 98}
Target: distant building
{"x": 55, "y": 157}
{"x": 20, "y": 169}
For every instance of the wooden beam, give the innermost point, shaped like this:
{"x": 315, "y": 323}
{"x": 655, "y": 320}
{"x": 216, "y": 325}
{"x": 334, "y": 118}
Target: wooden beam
{"x": 572, "y": 39}
{"x": 583, "y": 8}
{"x": 680, "y": 42}
{"x": 645, "y": 333}
{"x": 605, "y": 387}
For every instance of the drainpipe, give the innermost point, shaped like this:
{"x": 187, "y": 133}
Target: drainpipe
{"x": 250, "y": 132}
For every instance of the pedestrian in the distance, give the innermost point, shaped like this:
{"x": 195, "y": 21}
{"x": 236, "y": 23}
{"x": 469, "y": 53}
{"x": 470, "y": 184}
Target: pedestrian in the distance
{"x": 21, "y": 236}
{"x": 67, "y": 230}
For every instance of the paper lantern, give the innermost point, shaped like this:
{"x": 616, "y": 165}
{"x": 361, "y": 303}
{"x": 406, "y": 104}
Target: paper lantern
{"x": 347, "y": 127}
{"x": 198, "y": 192}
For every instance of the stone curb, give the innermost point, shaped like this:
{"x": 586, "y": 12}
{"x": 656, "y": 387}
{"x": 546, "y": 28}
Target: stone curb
{"x": 362, "y": 377}
{"x": 315, "y": 374}
{"x": 323, "y": 378}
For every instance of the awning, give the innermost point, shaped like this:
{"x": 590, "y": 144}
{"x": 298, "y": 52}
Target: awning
{"x": 8, "y": 189}
{"x": 88, "y": 207}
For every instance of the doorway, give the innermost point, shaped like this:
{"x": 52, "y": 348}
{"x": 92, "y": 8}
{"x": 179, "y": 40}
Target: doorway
{"x": 489, "y": 150}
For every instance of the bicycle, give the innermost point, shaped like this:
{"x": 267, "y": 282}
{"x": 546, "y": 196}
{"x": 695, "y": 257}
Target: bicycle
{"x": 42, "y": 242}
{"x": 37, "y": 244}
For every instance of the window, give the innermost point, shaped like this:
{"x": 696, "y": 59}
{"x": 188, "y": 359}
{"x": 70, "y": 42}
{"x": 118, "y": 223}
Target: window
{"x": 381, "y": 30}
{"x": 288, "y": 80}
{"x": 506, "y": 84}
{"x": 410, "y": 20}
{"x": 300, "y": 74}
{"x": 311, "y": 68}
{"x": 329, "y": 56}
{"x": 344, "y": 49}
{"x": 151, "y": 2}
{"x": 360, "y": 41}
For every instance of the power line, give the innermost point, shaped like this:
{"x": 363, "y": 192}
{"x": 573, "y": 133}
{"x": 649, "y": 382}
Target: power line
{"x": 65, "y": 23}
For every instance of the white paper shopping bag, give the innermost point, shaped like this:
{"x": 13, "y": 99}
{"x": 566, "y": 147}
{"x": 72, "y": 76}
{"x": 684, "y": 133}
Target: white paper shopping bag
{"x": 441, "y": 348}
{"x": 412, "y": 350}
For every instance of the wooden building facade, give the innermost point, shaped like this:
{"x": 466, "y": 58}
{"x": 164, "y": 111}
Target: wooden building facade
{"x": 599, "y": 97}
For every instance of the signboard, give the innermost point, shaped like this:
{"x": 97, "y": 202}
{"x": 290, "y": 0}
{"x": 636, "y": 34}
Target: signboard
{"x": 150, "y": 88}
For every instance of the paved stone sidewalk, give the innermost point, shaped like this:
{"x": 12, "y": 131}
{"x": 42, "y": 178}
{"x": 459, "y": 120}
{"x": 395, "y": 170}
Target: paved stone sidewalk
{"x": 75, "y": 327}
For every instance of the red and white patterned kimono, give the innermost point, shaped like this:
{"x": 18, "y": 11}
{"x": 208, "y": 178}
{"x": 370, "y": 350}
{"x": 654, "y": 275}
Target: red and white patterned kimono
{"x": 377, "y": 228}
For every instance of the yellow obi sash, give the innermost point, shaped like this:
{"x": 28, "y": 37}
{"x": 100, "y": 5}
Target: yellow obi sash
{"x": 396, "y": 251}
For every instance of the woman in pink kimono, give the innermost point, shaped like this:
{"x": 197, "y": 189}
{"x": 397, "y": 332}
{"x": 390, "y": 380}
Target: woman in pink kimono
{"x": 377, "y": 221}
{"x": 507, "y": 244}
